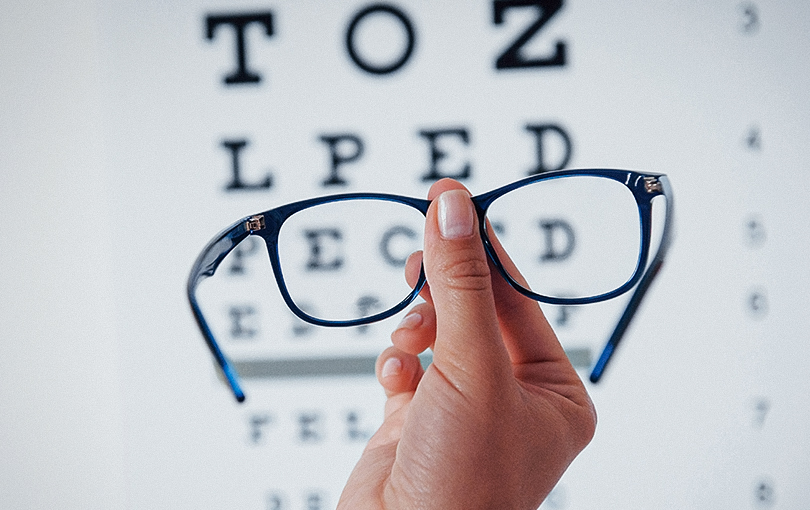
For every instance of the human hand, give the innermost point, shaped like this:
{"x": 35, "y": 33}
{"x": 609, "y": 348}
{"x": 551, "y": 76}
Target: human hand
{"x": 499, "y": 415}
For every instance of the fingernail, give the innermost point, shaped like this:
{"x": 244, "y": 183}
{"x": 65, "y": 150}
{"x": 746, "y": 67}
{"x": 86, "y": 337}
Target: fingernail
{"x": 456, "y": 219}
{"x": 411, "y": 321}
{"x": 392, "y": 366}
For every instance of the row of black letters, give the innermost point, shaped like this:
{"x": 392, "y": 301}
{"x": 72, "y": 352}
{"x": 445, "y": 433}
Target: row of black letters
{"x": 326, "y": 254}
{"x": 310, "y": 427}
{"x": 445, "y": 148}
{"x": 244, "y": 325}
{"x": 315, "y": 499}
{"x": 512, "y": 57}
{"x": 763, "y": 493}
{"x": 764, "y": 490}
{"x": 244, "y": 320}
{"x": 310, "y": 500}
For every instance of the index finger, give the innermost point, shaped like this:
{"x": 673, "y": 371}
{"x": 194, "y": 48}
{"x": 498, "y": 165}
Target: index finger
{"x": 527, "y": 334}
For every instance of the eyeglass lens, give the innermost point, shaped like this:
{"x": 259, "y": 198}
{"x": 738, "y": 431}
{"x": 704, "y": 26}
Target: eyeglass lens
{"x": 344, "y": 260}
{"x": 572, "y": 237}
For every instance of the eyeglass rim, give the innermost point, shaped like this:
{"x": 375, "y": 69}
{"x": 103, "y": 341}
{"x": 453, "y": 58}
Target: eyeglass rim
{"x": 210, "y": 258}
{"x": 632, "y": 180}
{"x": 275, "y": 218}
{"x": 270, "y": 234}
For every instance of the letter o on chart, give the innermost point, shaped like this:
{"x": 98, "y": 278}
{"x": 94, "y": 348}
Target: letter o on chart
{"x": 371, "y": 30}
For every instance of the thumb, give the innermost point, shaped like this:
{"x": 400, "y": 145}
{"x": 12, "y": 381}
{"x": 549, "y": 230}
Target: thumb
{"x": 468, "y": 345}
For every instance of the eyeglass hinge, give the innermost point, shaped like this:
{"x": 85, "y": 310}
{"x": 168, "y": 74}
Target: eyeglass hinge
{"x": 653, "y": 185}
{"x": 255, "y": 223}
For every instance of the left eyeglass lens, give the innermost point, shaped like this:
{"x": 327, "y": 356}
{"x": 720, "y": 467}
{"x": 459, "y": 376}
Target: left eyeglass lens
{"x": 344, "y": 260}
{"x": 570, "y": 237}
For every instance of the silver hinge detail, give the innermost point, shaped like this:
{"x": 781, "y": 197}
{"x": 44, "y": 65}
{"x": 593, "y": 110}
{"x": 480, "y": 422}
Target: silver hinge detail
{"x": 653, "y": 185}
{"x": 255, "y": 223}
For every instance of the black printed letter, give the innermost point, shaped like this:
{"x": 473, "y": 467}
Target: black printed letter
{"x": 395, "y": 64}
{"x": 239, "y": 22}
{"x": 258, "y": 422}
{"x": 560, "y": 240}
{"x": 318, "y": 241}
{"x": 240, "y": 330}
{"x": 540, "y": 131}
{"x": 396, "y": 257}
{"x": 310, "y": 425}
{"x": 236, "y": 146}
{"x": 437, "y": 154}
{"x": 355, "y": 151}
{"x": 354, "y": 430}
{"x": 512, "y": 57}
{"x": 245, "y": 249}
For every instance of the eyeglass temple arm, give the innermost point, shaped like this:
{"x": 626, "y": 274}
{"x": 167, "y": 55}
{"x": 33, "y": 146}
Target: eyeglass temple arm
{"x": 227, "y": 368}
{"x": 641, "y": 288}
{"x": 205, "y": 266}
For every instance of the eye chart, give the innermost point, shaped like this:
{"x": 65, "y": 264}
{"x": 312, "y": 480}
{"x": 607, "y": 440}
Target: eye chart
{"x": 219, "y": 109}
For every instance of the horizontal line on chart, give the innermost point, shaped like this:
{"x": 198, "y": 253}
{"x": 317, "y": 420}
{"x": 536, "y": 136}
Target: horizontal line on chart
{"x": 284, "y": 368}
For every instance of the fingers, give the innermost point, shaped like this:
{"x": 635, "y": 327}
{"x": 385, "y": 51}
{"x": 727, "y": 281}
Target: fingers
{"x": 528, "y": 336}
{"x": 398, "y": 368}
{"x": 468, "y": 346}
{"x": 413, "y": 268}
{"x": 417, "y": 331}
{"x": 398, "y": 371}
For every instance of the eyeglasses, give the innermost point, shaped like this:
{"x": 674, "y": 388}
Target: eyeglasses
{"x": 576, "y": 236}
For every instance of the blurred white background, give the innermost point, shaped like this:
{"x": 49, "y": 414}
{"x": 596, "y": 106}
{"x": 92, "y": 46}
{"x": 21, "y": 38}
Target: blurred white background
{"x": 113, "y": 175}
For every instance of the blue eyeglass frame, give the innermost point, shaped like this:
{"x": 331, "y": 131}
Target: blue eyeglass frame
{"x": 645, "y": 186}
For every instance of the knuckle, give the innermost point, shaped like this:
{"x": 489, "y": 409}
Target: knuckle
{"x": 582, "y": 420}
{"x": 467, "y": 273}
{"x": 587, "y": 425}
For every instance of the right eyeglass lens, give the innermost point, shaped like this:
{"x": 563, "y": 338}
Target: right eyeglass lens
{"x": 570, "y": 237}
